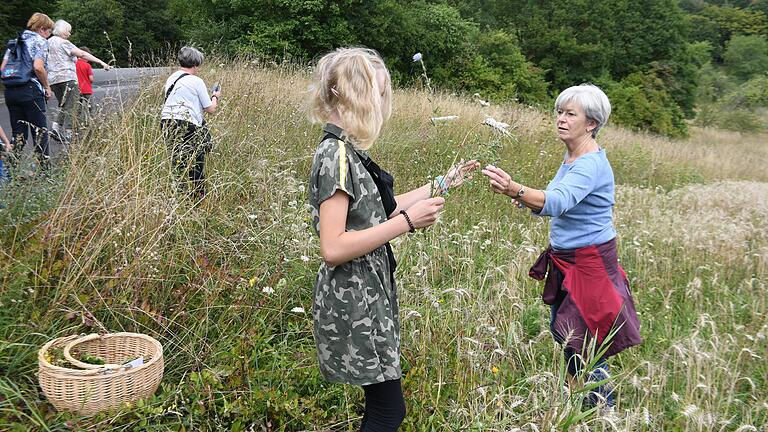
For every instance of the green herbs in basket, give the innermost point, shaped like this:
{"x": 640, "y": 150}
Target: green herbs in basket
{"x": 94, "y": 360}
{"x": 55, "y": 356}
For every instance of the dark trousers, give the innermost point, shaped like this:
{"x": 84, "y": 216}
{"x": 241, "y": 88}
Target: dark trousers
{"x": 188, "y": 144}
{"x": 26, "y": 107}
{"x": 576, "y": 365}
{"x": 85, "y": 109}
{"x": 384, "y": 407}
{"x": 68, "y": 95}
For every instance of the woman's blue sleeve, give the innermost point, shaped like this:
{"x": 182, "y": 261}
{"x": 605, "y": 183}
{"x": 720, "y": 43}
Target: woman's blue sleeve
{"x": 575, "y": 185}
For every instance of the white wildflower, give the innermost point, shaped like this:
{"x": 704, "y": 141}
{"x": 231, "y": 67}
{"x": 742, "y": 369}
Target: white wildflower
{"x": 298, "y": 309}
{"x": 417, "y": 57}
{"x": 443, "y": 118}
{"x": 497, "y": 125}
{"x": 268, "y": 290}
{"x": 252, "y": 216}
{"x": 305, "y": 258}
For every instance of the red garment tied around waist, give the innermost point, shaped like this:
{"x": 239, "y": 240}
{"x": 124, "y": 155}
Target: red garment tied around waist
{"x": 587, "y": 281}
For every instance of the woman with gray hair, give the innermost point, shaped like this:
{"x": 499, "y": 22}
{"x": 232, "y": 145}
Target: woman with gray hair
{"x": 62, "y": 74}
{"x": 182, "y": 121}
{"x": 592, "y": 310}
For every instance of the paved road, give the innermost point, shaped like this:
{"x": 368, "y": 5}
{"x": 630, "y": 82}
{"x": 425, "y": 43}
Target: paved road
{"x": 111, "y": 90}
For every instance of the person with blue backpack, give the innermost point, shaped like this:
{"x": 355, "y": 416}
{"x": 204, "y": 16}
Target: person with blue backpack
{"x": 24, "y": 76}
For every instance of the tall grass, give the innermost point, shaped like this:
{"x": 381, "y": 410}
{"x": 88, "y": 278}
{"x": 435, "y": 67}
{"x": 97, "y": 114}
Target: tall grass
{"x": 110, "y": 246}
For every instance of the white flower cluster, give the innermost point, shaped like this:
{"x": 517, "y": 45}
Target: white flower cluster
{"x": 498, "y": 126}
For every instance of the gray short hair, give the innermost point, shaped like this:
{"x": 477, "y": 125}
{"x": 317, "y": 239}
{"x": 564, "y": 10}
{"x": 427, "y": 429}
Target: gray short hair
{"x": 61, "y": 28}
{"x": 592, "y": 100}
{"x": 190, "y": 57}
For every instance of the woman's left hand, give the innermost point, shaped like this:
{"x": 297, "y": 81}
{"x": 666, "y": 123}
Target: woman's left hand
{"x": 457, "y": 174}
{"x": 500, "y": 180}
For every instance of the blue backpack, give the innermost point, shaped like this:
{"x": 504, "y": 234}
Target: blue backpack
{"x": 19, "y": 68}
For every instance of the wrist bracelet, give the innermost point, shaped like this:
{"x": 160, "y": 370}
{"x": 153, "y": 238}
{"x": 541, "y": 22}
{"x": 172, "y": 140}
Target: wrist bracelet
{"x": 408, "y": 219}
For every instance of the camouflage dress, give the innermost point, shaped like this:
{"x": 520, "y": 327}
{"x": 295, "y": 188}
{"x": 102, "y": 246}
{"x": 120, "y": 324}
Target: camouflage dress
{"x": 355, "y": 311}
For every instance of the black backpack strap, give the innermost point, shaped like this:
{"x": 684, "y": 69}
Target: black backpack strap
{"x": 330, "y": 135}
{"x": 170, "y": 89}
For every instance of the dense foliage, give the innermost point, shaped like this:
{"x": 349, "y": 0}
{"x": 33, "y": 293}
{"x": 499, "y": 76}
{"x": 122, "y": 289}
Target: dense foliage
{"x": 655, "y": 58}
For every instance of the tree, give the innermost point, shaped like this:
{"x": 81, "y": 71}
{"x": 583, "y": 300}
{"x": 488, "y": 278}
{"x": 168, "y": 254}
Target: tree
{"x": 297, "y": 29}
{"x": 640, "y": 101}
{"x": 94, "y": 24}
{"x": 514, "y": 76}
{"x": 398, "y": 29}
{"x": 301, "y": 28}
{"x": 717, "y": 25}
{"x": 127, "y": 31}
{"x": 14, "y": 15}
{"x": 645, "y": 32}
{"x": 746, "y": 56}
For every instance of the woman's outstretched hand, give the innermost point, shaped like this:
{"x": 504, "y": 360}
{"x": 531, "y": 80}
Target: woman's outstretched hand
{"x": 500, "y": 180}
{"x": 457, "y": 174}
{"x": 426, "y": 212}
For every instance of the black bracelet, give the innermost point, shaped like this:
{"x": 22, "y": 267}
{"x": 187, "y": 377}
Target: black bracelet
{"x": 407, "y": 219}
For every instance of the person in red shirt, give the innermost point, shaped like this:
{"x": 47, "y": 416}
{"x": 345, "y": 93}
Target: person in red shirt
{"x": 85, "y": 82}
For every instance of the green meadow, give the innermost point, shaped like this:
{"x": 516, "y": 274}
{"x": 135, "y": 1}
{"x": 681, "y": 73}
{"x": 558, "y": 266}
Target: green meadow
{"x": 104, "y": 244}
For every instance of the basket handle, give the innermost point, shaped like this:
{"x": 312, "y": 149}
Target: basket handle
{"x": 75, "y": 362}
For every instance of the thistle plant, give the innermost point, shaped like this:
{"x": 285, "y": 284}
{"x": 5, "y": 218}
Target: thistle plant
{"x": 418, "y": 57}
{"x": 436, "y": 117}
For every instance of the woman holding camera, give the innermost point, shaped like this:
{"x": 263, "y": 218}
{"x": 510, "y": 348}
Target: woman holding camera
{"x": 183, "y": 123}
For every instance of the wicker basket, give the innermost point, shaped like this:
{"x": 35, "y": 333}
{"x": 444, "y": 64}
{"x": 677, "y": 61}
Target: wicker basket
{"x": 95, "y": 388}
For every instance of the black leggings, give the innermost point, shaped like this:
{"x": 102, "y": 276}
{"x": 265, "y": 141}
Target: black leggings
{"x": 26, "y": 107}
{"x": 384, "y": 407}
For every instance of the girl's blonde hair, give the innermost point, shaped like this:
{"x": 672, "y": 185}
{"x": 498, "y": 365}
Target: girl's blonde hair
{"x": 345, "y": 83}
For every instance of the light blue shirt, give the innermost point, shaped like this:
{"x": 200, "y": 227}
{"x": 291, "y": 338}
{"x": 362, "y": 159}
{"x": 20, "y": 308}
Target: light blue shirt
{"x": 580, "y": 201}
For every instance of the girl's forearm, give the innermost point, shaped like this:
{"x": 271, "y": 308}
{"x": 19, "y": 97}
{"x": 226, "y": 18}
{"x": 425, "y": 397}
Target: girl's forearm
{"x": 406, "y": 200}
{"x": 349, "y": 245}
